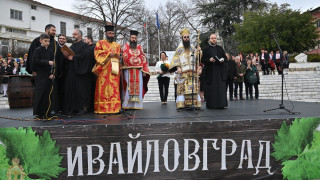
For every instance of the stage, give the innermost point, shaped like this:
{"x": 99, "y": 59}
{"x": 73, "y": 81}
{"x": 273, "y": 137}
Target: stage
{"x": 155, "y": 112}
{"x": 160, "y": 143}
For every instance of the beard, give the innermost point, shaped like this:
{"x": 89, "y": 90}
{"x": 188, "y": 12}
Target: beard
{"x": 212, "y": 44}
{"x": 110, "y": 39}
{"x": 133, "y": 44}
{"x": 186, "y": 44}
{"x": 52, "y": 35}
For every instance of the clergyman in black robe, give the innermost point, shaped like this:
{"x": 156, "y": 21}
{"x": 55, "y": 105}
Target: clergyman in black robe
{"x": 77, "y": 78}
{"x": 93, "y": 77}
{"x": 58, "y": 60}
{"x": 213, "y": 56}
{"x": 42, "y": 60}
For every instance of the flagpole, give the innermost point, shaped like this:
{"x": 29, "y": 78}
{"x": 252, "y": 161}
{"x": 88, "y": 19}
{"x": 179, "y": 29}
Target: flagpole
{"x": 158, "y": 26}
{"x": 159, "y": 42}
{"x": 148, "y": 56}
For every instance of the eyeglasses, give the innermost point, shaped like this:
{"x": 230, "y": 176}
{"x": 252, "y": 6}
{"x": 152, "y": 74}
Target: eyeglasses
{"x": 186, "y": 37}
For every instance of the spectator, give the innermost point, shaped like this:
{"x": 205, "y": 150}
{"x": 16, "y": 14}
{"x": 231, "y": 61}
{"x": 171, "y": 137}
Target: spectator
{"x": 257, "y": 60}
{"x": 249, "y": 82}
{"x": 271, "y": 62}
{"x": 256, "y": 85}
{"x": 241, "y": 71}
{"x": 16, "y": 68}
{"x": 278, "y": 57}
{"x": 22, "y": 63}
{"x": 163, "y": 77}
{"x": 231, "y": 74}
{"x": 10, "y": 61}
{"x": 264, "y": 61}
{"x": 5, "y": 70}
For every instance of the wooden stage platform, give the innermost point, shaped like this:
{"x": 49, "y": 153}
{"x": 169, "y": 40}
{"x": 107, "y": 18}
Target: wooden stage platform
{"x": 160, "y": 143}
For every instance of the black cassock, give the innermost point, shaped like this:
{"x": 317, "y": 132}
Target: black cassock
{"x": 77, "y": 80}
{"x": 93, "y": 77}
{"x": 53, "y": 46}
{"x": 40, "y": 59}
{"x": 215, "y": 75}
{"x": 58, "y": 68}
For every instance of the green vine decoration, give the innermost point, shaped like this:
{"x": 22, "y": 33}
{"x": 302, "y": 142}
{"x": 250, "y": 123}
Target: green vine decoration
{"x": 38, "y": 155}
{"x": 297, "y": 146}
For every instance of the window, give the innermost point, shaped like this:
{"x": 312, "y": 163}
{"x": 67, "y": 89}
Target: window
{"x": 100, "y": 34}
{"x": 76, "y": 26}
{"x": 89, "y": 31}
{"x": 14, "y": 14}
{"x": 17, "y": 31}
{"x": 34, "y": 7}
{"x": 318, "y": 23}
{"x": 63, "y": 29}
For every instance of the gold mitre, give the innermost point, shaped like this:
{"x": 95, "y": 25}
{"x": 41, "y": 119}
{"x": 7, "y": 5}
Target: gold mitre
{"x": 184, "y": 32}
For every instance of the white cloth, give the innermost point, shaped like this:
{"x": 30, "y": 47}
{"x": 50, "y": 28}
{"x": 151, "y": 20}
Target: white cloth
{"x": 5, "y": 88}
{"x": 14, "y": 70}
{"x": 158, "y": 68}
{"x": 127, "y": 104}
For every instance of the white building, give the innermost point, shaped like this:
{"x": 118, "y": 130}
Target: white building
{"x": 23, "y": 20}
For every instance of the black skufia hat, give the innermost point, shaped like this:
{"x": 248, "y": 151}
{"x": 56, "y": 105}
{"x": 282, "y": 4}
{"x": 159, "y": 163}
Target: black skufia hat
{"x": 133, "y": 32}
{"x": 109, "y": 28}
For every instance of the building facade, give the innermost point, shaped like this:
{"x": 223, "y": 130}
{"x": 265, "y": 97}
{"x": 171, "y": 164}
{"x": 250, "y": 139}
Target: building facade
{"x": 24, "y": 20}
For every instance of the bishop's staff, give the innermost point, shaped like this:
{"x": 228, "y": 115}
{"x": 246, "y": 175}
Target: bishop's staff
{"x": 198, "y": 56}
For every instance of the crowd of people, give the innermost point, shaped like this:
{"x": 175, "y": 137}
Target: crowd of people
{"x": 217, "y": 72}
{"x": 10, "y": 66}
{"x": 84, "y": 77}
{"x": 90, "y": 77}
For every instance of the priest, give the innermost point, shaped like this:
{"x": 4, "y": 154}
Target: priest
{"x": 187, "y": 84}
{"x": 216, "y": 74}
{"x": 77, "y": 77}
{"x": 136, "y": 73}
{"x": 107, "y": 94}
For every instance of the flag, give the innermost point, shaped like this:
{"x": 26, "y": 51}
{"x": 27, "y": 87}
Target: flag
{"x": 158, "y": 23}
{"x": 145, "y": 24}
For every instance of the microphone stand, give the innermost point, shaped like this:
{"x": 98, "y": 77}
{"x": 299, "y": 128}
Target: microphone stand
{"x": 281, "y": 106}
{"x": 193, "y": 107}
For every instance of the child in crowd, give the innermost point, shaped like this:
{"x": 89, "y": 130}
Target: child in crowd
{"x": 5, "y": 70}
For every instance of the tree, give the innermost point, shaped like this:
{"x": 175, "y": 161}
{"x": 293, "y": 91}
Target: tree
{"x": 295, "y": 31}
{"x": 170, "y": 25}
{"x": 220, "y": 16}
{"x": 116, "y": 12}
